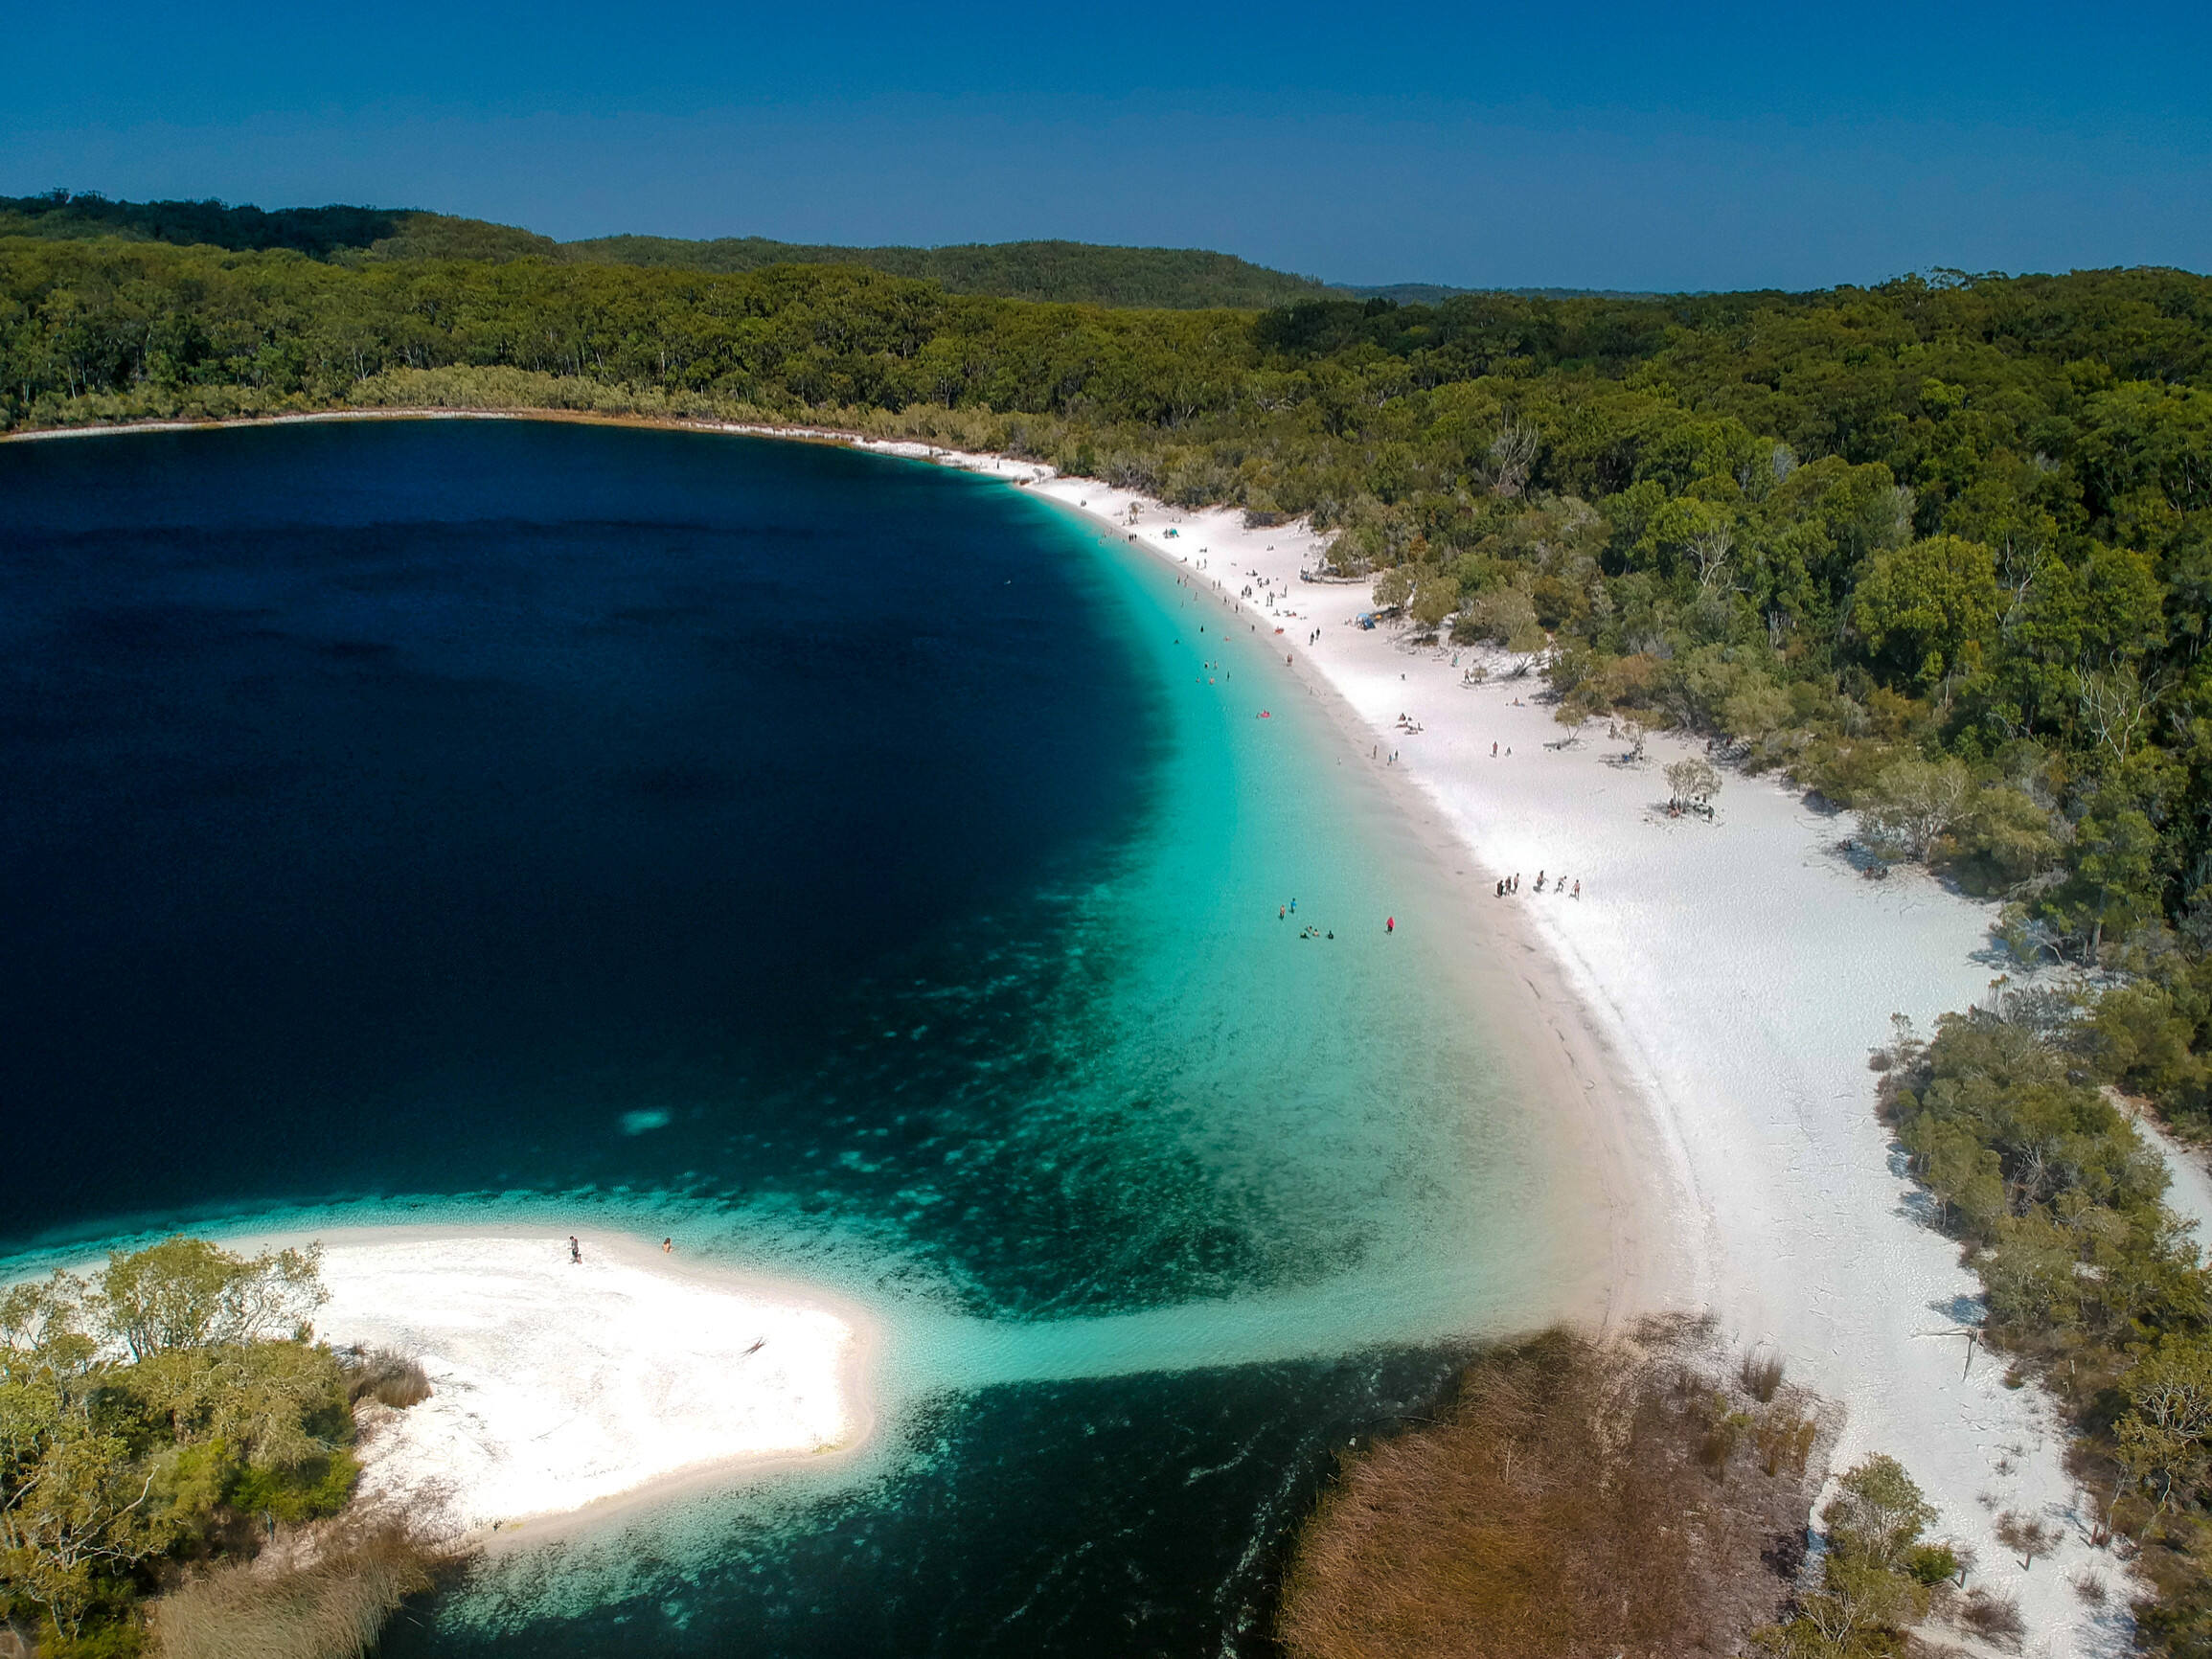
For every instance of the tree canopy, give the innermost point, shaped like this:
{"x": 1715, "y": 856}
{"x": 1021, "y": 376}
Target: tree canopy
{"x": 147, "y": 1412}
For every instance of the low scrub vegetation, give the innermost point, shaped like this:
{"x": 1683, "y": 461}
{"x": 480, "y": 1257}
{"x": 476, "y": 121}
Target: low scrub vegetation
{"x": 330, "y": 1609}
{"x": 1879, "y": 1578}
{"x": 1573, "y": 1497}
{"x": 388, "y": 1378}
{"x": 2090, "y": 1281}
{"x": 164, "y": 1420}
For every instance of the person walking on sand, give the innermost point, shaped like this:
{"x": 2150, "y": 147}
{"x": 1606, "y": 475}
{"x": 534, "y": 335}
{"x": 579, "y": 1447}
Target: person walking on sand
{"x": 575, "y": 1252}
{"x": 1577, "y": 887}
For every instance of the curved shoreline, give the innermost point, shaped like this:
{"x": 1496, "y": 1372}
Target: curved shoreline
{"x": 1652, "y": 1260}
{"x": 563, "y": 1396}
{"x": 1730, "y": 979}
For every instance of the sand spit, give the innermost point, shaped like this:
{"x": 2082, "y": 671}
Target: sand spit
{"x": 558, "y": 1386}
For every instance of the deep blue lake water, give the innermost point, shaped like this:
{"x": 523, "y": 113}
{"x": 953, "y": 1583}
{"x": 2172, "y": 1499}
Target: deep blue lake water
{"x": 867, "y": 867}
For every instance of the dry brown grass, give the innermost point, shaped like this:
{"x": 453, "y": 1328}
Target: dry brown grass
{"x": 332, "y": 1609}
{"x": 1577, "y": 1498}
{"x": 387, "y": 1377}
{"x": 1761, "y": 1374}
{"x": 1993, "y": 1616}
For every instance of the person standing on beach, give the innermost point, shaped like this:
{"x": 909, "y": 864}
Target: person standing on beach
{"x": 667, "y": 1246}
{"x": 575, "y": 1252}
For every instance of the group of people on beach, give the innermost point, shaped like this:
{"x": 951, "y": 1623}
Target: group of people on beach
{"x": 1509, "y": 885}
{"x": 1284, "y": 913}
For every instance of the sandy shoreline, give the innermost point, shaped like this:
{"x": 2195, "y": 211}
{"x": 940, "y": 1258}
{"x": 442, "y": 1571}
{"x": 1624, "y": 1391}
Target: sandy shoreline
{"x": 1720, "y": 987}
{"x": 566, "y": 1396}
{"x": 1706, "y": 1006}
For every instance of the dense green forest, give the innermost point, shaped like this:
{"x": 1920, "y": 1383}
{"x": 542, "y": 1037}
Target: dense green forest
{"x": 1075, "y": 272}
{"x": 159, "y": 1423}
{"x": 1436, "y": 294}
{"x": 316, "y": 232}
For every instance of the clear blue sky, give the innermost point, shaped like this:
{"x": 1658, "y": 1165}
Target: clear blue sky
{"x": 1601, "y": 146}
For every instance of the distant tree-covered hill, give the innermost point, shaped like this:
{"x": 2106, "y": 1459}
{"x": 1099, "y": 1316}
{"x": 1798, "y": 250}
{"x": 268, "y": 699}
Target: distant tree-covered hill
{"x": 316, "y": 232}
{"x": 1081, "y": 273}
{"x": 1436, "y": 294}
{"x": 1174, "y": 279}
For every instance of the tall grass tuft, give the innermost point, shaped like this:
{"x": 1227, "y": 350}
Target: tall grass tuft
{"x": 333, "y": 1609}
{"x": 1761, "y": 1374}
{"x": 380, "y": 1375}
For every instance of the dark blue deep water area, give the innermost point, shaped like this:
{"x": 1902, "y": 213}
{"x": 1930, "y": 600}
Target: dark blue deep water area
{"x": 398, "y": 805}
{"x": 863, "y": 869}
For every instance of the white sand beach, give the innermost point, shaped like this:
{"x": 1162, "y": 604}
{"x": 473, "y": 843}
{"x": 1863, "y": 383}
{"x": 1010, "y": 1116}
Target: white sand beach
{"x": 1740, "y": 972}
{"x": 557, "y": 1386}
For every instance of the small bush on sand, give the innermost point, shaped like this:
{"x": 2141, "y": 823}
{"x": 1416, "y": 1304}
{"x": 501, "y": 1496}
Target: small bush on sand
{"x": 1761, "y": 1374}
{"x": 332, "y": 1609}
{"x": 1992, "y": 1616}
{"x": 387, "y": 1377}
{"x": 2027, "y": 1536}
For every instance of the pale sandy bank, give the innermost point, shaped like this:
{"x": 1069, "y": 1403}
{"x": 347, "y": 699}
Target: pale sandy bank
{"x": 557, "y": 1386}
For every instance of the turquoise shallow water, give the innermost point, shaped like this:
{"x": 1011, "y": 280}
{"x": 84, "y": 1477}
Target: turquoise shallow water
{"x": 870, "y": 873}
